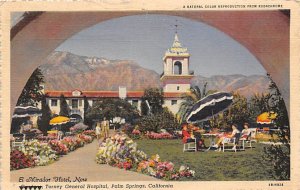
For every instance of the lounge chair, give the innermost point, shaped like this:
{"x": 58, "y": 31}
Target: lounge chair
{"x": 19, "y": 140}
{"x": 190, "y": 145}
{"x": 231, "y": 142}
{"x": 248, "y": 140}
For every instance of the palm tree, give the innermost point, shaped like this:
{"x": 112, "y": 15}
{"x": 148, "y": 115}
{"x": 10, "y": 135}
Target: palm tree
{"x": 189, "y": 99}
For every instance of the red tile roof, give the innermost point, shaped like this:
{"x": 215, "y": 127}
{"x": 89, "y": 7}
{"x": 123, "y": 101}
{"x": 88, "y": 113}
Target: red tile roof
{"x": 173, "y": 94}
{"x": 108, "y": 94}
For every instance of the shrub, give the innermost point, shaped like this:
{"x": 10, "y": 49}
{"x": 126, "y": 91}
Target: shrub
{"x": 73, "y": 142}
{"x": 156, "y": 122}
{"x": 90, "y": 133}
{"x": 85, "y": 138}
{"x": 40, "y": 152}
{"x": 127, "y": 128}
{"x": 153, "y": 135}
{"x": 120, "y": 151}
{"x": 19, "y": 160}
{"x": 58, "y": 147}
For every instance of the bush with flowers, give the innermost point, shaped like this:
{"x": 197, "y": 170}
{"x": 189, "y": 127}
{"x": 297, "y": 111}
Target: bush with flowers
{"x": 163, "y": 169}
{"x": 72, "y": 142}
{"x": 19, "y": 160}
{"x": 45, "y": 150}
{"x": 90, "y": 133}
{"x": 41, "y": 153}
{"x": 85, "y": 138}
{"x": 136, "y": 133}
{"x": 162, "y": 135}
{"x": 59, "y": 147}
{"x": 120, "y": 151}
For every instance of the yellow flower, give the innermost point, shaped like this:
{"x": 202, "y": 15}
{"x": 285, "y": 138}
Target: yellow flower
{"x": 151, "y": 163}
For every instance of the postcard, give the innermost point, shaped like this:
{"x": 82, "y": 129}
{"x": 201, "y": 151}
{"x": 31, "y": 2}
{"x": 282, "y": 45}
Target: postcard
{"x": 149, "y": 95}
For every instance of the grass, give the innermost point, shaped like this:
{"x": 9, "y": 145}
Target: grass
{"x": 248, "y": 165}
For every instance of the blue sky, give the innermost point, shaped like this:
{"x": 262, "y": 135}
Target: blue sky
{"x": 145, "y": 38}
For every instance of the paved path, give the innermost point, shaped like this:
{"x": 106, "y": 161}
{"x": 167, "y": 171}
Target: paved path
{"x": 80, "y": 163}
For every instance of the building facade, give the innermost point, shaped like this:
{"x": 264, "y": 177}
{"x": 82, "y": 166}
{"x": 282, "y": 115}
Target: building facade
{"x": 175, "y": 79}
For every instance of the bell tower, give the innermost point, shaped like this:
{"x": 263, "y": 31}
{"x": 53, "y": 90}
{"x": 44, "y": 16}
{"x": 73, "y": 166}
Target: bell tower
{"x": 176, "y": 76}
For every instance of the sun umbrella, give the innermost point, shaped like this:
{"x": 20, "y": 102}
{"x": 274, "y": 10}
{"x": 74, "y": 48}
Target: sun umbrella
{"x": 26, "y": 111}
{"x": 59, "y": 120}
{"x": 209, "y": 106}
{"x": 266, "y": 118}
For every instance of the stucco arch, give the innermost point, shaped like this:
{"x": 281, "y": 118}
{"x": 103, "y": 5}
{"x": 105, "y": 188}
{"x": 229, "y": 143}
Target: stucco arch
{"x": 177, "y": 68}
{"x": 264, "y": 33}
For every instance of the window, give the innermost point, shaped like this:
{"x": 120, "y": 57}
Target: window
{"x": 173, "y": 102}
{"x": 80, "y": 103}
{"x": 53, "y": 102}
{"x": 178, "y": 88}
{"x": 177, "y": 68}
{"x": 135, "y": 103}
{"x": 74, "y": 103}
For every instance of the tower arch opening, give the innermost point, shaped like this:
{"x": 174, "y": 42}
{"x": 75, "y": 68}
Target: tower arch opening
{"x": 177, "y": 69}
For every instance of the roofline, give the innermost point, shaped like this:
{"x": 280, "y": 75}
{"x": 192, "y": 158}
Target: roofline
{"x": 177, "y": 55}
{"x": 164, "y": 77}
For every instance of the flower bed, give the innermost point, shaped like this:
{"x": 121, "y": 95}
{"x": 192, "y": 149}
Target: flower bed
{"x": 46, "y": 150}
{"x": 41, "y": 153}
{"x": 19, "y": 160}
{"x": 85, "y": 138}
{"x": 90, "y": 133}
{"x": 120, "y": 151}
{"x": 72, "y": 142}
{"x": 59, "y": 147}
{"x": 163, "y": 135}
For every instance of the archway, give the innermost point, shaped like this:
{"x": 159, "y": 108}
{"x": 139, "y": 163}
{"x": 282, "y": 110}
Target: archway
{"x": 177, "y": 70}
{"x": 267, "y": 39}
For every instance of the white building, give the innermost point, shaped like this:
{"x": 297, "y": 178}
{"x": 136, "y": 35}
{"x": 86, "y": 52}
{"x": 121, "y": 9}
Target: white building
{"x": 175, "y": 79}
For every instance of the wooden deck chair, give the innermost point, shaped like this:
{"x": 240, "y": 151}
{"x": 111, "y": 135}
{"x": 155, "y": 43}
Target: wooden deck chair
{"x": 19, "y": 140}
{"x": 231, "y": 142}
{"x": 248, "y": 140}
{"x": 190, "y": 145}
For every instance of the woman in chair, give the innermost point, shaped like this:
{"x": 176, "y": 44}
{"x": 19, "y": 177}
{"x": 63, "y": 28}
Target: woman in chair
{"x": 246, "y": 131}
{"x": 234, "y": 133}
{"x": 185, "y": 133}
{"x": 189, "y": 136}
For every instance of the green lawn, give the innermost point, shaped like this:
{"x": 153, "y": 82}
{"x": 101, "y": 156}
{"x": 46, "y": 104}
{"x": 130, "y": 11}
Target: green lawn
{"x": 243, "y": 165}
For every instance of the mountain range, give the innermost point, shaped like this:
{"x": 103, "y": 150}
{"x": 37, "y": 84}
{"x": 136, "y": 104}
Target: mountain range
{"x": 67, "y": 71}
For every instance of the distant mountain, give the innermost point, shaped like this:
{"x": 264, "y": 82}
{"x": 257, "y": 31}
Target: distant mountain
{"x": 66, "y": 71}
{"x": 245, "y": 85}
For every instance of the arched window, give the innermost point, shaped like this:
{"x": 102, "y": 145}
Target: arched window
{"x": 177, "y": 68}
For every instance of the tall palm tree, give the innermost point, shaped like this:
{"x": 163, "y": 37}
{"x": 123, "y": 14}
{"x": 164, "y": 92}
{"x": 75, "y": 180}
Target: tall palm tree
{"x": 189, "y": 99}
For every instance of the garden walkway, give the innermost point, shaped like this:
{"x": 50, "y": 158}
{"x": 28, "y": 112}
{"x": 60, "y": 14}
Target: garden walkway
{"x": 80, "y": 163}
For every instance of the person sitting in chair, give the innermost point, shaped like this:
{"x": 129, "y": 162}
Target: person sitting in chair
{"x": 188, "y": 136}
{"x": 185, "y": 133}
{"x": 246, "y": 131}
{"x": 235, "y": 132}
{"x": 199, "y": 140}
